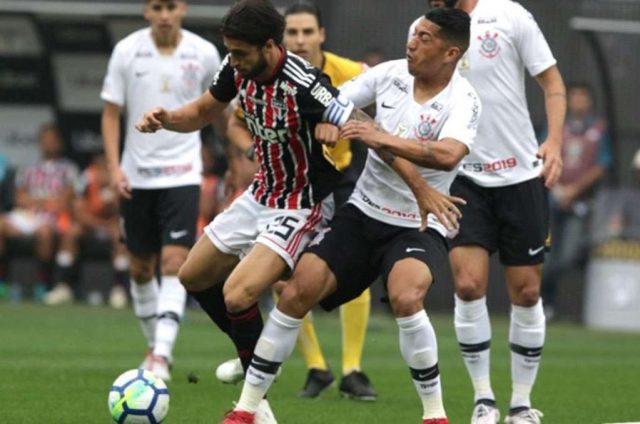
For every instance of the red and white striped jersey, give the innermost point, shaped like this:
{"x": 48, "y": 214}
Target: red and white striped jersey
{"x": 281, "y": 115}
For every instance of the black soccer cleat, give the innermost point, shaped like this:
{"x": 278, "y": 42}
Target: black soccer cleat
{"x": 356, "y": 385}
{"x": 317, "y": 382}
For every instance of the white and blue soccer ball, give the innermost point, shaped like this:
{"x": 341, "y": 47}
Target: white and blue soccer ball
{"x": 138, "y": 397}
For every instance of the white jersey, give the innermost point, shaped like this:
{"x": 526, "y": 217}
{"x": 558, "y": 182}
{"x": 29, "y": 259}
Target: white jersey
{"x": 505, "y": 39}
{"x": 453, "y": 113}
{"x": 140, "y": 78}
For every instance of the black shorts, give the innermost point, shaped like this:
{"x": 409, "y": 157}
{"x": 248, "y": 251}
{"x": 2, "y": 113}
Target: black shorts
{"x": 358, "y": 249}
{"x": 513, "y": 220}
{"x": 158, "y": 217}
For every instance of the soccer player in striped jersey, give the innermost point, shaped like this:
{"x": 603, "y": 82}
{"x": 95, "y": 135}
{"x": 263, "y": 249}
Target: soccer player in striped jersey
{"x": 304, "y": 34}
{"x": 429, "y": 114}
{"x": 256, "y": 241}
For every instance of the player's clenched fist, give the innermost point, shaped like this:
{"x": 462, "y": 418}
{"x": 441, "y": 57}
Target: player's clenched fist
{"x": 153, "y": 120}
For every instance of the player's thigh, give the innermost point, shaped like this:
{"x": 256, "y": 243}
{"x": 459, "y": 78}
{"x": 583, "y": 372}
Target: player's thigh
{"x": 311, "y": 282}
{"x": 413, "y": 261}
{"x": 470, "y": 269}
{"x": 178, "y": 215}
{"x": 205, "y": 266}
{"x": 140, "y": 226}
{"x": 523, "y": 210}
{"x": 261, "y": 268}
{"x": 347, "y": 253}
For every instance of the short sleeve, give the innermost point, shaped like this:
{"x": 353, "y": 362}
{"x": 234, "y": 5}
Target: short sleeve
{"x": 323, "y": 102}
{"x": 223, "y": 87}
{"x": 462, "y": 123}
{"x": 361, "y": 90}
{"x": 211, "y": 63}
{"x": 531, "y": 43}
{"x": 115, "y": 84}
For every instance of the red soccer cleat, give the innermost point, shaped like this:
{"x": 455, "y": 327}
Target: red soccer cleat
{"x": 436, "y": 421}
{"x": 239, "y": 417}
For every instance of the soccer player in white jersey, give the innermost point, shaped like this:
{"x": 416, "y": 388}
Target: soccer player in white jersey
{"x": 504, "y": 182}
{"x": 158, "y": 178}
{"x": 428, "y": 114}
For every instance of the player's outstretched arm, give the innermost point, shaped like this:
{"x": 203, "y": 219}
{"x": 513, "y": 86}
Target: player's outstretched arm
{"x": 429, "y": 200}
{"x": 191, "y": 117}
{"x": 555, "y": 100}
{"x": 442, "y": 155}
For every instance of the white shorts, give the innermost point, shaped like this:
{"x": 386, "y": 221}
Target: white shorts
{"x": 27, "y": 222}
{"x": 246, "y": 222}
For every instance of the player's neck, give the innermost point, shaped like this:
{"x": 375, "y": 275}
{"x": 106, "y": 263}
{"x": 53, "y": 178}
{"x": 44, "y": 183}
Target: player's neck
{"x": 467, "y": 5}
{"x": 317, "y": 60}
{"x": 426, "y": 88}
{"x": 167, "y": 44}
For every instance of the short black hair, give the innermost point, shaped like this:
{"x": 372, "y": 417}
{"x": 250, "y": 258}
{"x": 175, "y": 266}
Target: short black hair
{"x": 454, "y": 25}
{"x": 253, "y": 21}
{"x": 305, "y": 7}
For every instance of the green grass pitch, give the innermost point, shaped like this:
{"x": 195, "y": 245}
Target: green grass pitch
{"x": 57, "y": 365}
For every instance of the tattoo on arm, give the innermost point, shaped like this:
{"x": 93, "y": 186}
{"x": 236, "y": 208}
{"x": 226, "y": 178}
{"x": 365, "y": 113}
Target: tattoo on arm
{"x": 360, "y": 115}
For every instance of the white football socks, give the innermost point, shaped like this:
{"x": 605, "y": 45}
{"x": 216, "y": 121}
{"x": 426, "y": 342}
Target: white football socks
{"x": 170, "y": 310}
{"x": 145, "y": 301}
{"x": 526, "y": 338}
{"x": 419, "y": 349}
{"x": 276, "y": 343}
{"x": 473, "y": 331}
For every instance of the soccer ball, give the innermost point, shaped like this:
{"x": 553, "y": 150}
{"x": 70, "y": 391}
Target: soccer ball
{"x": 138, "y": 397}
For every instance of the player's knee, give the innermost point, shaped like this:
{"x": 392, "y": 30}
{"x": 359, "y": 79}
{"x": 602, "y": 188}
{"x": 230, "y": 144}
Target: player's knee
{"x": 238, "y": 298}
{"x": 141, "y": 273}
{"x": 528, "y": 295}
{"x": 468, "y": 289}
{"x": 171, "y": 264}
{"x": 189, "y": 278}
{"x": 407, "y": 302}
{"x": 296, "y": 299}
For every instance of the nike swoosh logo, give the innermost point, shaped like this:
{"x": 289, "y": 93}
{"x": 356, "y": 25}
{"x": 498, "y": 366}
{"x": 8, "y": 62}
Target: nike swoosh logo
{"x": 141, "y": 74}
{"x": 178, "y": 234}
{"x": 533, "y": 252}
{"x": 414, "y": 249}
{"x": 386, "y": 106}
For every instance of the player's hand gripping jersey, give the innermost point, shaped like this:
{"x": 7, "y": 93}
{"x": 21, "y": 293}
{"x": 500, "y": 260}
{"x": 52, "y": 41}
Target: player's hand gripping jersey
{"x": 452, "y": 113}
{"x": 281, "y": 115}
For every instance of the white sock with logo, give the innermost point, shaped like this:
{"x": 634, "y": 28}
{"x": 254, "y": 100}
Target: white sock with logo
{"x": 473, "y": 331}
{"x": 145, "y": 302}
{"x": 171, "y": 304}
{"x": 526, "y": 339}
{"x": 419, "y": 349}
{"x": 275, "y": 345}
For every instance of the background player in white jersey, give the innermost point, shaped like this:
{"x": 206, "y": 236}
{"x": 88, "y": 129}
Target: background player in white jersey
{"x": 429, "y": 115}
{"x": 159, "y": 176}
{"x": 503, "y": 181}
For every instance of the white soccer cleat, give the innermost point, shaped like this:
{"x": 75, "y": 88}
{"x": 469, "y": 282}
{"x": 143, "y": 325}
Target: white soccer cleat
{"x": 160, "y": 367}
{"x": 485, "y": 414}
{"x": 61, "y": 294}
{"x": 528, "y": 416}
{"x": 230, "y": 372}
{"x": 264, "y": 414}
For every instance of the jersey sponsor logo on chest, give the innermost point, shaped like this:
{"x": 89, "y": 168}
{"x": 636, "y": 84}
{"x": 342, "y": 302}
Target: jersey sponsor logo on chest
{"x": 271, "y": 135}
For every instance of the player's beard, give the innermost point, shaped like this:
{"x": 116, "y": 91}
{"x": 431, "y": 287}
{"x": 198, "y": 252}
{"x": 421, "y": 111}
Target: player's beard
{"x": 257, "y": 69}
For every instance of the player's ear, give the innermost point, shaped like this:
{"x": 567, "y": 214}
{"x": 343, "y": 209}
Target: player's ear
{"x": 452, "y": 54}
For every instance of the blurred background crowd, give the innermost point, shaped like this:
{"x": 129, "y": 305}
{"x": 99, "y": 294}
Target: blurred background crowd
{"x": 59, "y": 223}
